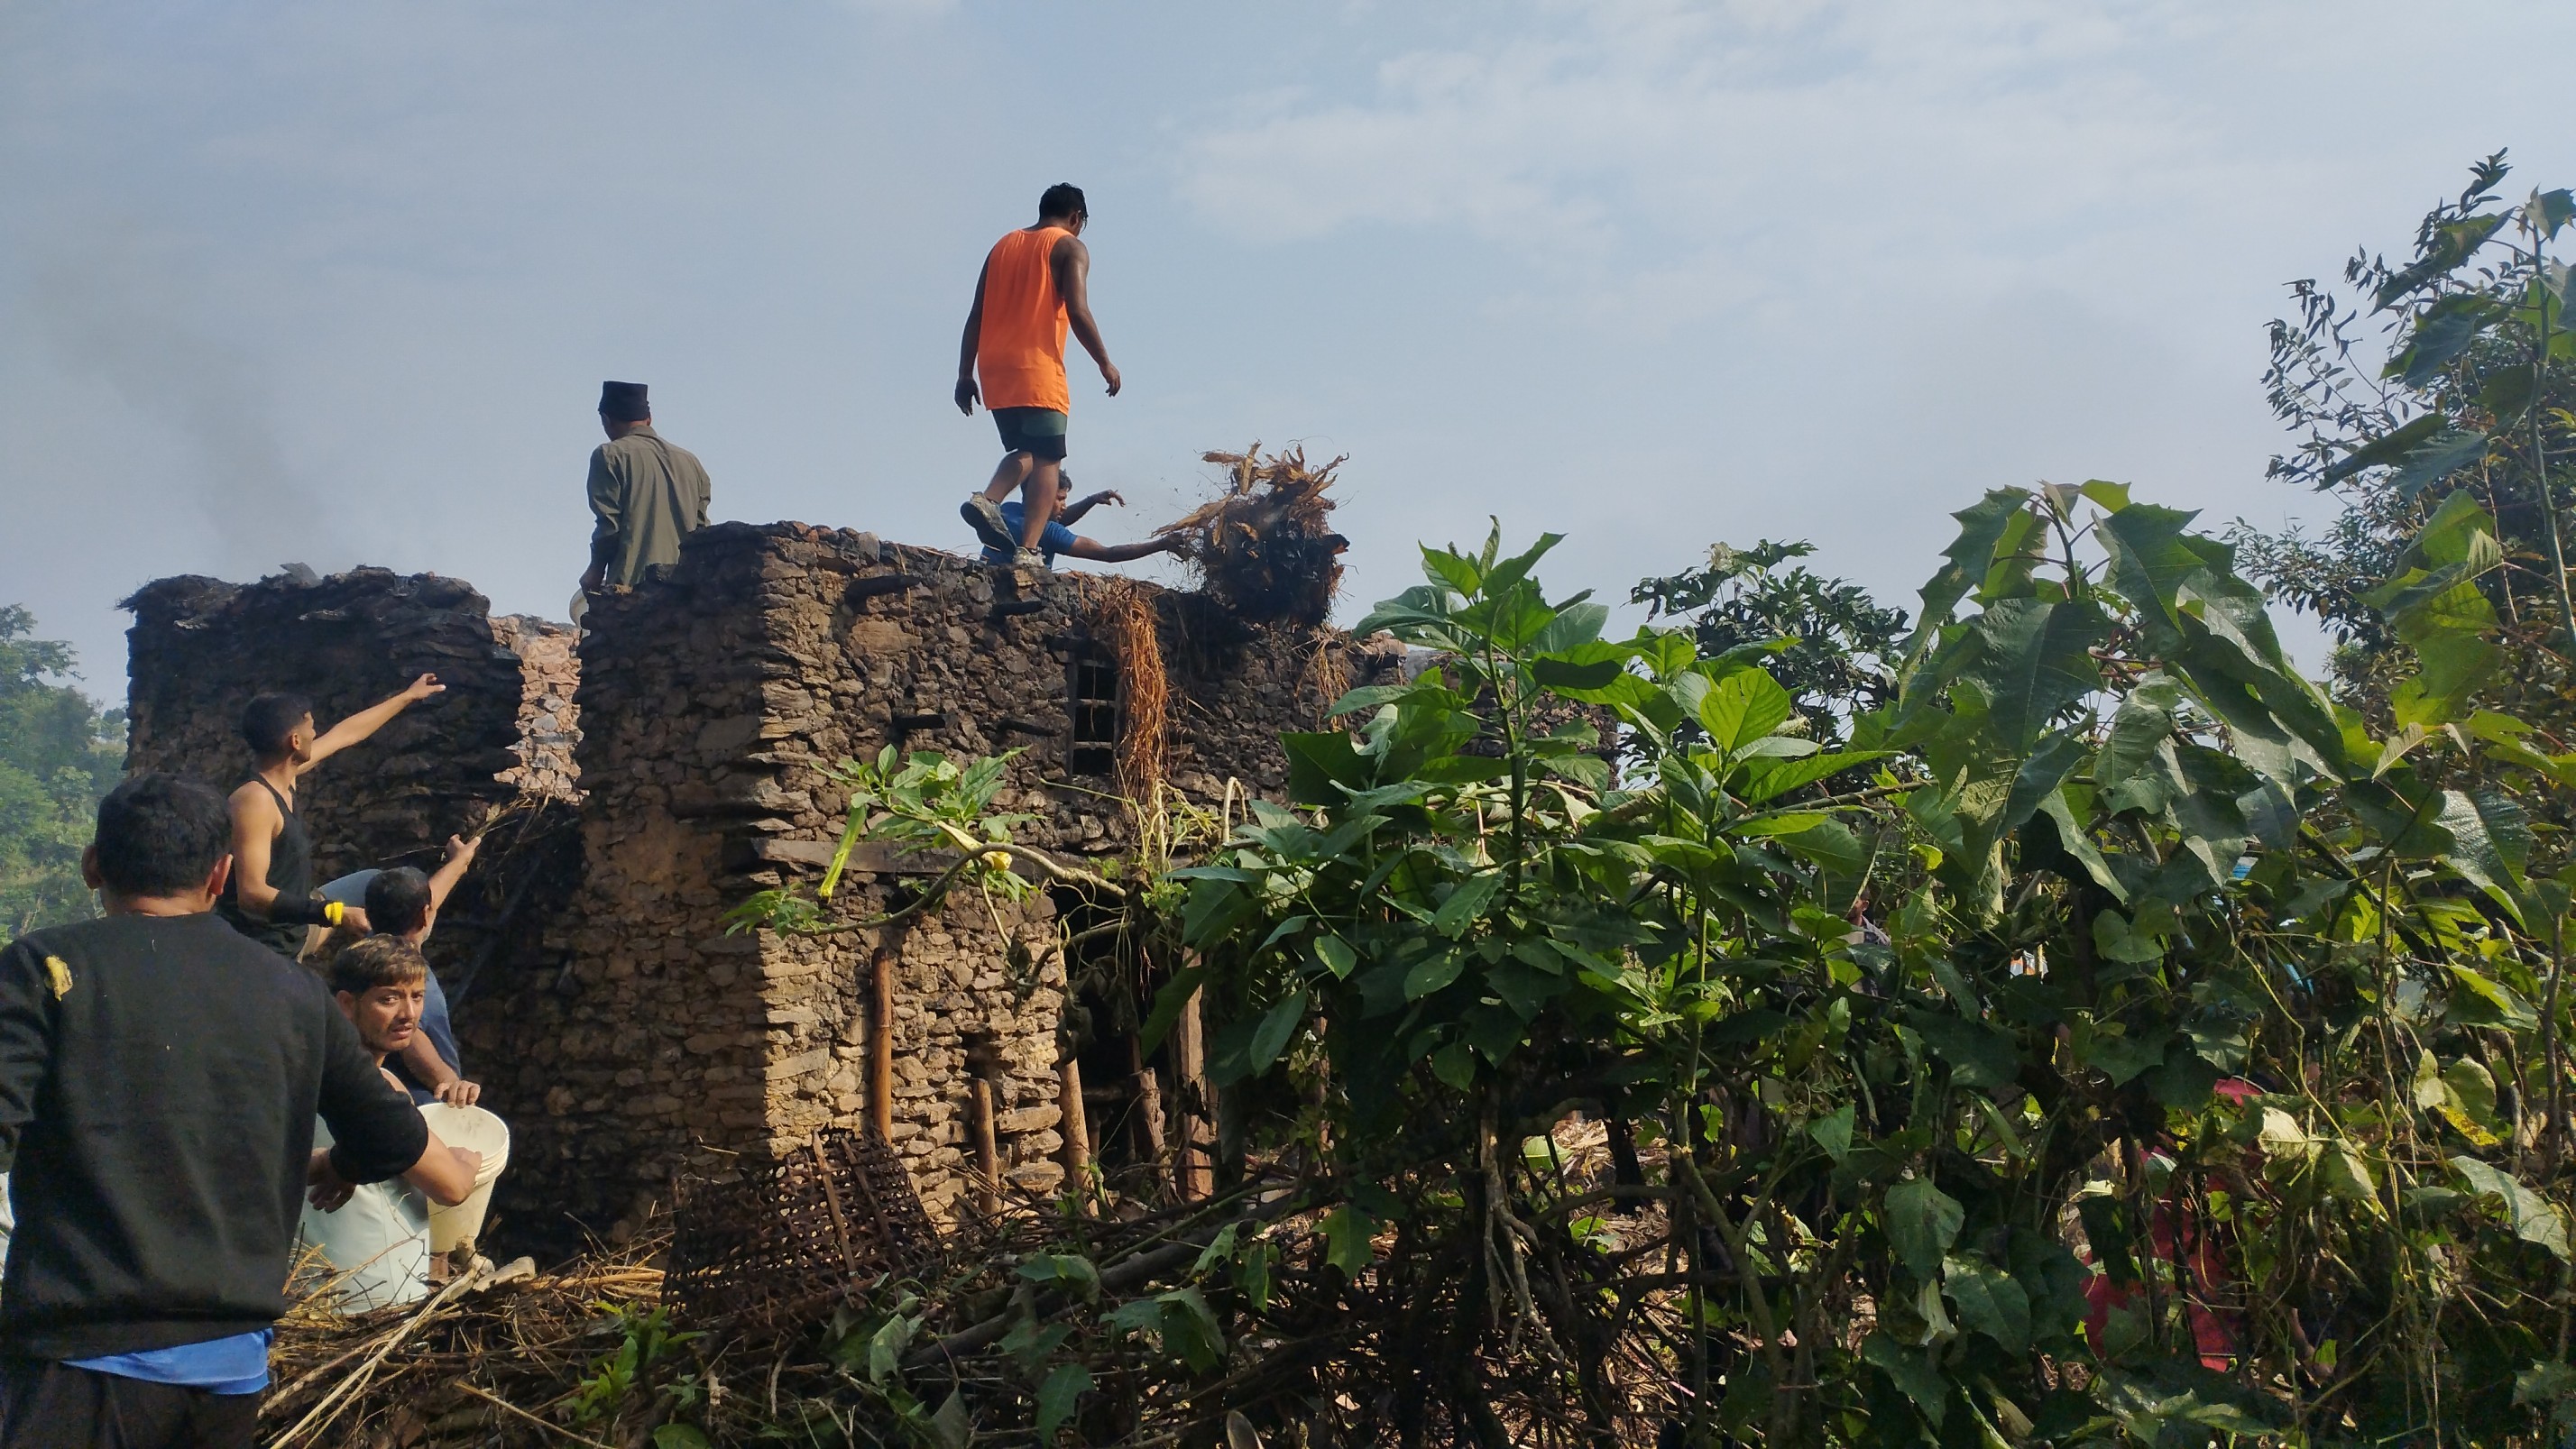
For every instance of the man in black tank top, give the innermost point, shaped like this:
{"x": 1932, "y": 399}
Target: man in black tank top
{"x": 270, "y": 895}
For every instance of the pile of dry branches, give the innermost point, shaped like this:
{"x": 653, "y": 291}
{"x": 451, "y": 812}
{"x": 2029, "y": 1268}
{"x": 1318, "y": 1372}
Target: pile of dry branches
{"x": 1265, "y": 547}
{"x": 1307, "y": 1353}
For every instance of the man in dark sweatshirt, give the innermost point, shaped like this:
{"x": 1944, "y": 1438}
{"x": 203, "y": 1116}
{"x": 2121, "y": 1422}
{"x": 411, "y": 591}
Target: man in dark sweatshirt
{"x": 159, "y": 1077}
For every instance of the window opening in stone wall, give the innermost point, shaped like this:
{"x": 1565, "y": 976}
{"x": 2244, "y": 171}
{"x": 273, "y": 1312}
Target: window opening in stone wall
{"x": 1091, "y": 697}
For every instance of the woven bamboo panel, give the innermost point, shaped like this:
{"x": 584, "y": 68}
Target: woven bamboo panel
{"x": 781, "y": 1246}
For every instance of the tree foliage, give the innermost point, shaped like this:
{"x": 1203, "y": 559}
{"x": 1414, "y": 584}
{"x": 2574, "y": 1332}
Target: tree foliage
{"x": 1834, "y": 645}
{"x": 59, "y": 753}
{"x": 2152, "y": 1053}
{"x": 2454, "y": 373}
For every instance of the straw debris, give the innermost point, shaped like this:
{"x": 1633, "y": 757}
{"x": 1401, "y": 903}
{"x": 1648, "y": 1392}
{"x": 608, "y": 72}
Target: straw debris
{"x": 1265, "y": 547}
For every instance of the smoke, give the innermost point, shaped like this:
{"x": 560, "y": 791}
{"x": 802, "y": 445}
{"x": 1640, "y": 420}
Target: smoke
{"x": 110, "y": 310}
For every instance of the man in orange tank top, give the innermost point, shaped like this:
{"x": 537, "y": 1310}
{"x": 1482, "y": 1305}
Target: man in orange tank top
{"x": 1033, "y": 287}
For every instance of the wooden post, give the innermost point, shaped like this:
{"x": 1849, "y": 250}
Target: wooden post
{"x": 881, "y": 1041}
{"x": 988, "y": 1152}
{"x": 1075, "y": 1124}
{"x": 1149, "y": 1116}
{"x": 1196, "y": 1177}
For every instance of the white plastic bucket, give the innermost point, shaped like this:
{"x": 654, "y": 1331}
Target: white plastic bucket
{"x": 479, "y": 1131}
{"x": 377, "y": 1243}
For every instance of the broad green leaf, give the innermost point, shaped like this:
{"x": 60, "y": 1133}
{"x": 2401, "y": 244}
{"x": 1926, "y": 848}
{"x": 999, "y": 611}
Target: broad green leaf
{"x": 950, "y": 1427}
{"x": 1912, "y": 1372}
{"x": 1970, "y": 557}
{"x": 2033, "y": 660}
{"x": 1277, "y": 1025}
{"x": 680, "y": 1436}
{"x": 2534, "y": 1218}
{"x": 1466, "y": 904}
{"x": 2149, "y": 557}
{"x": 1065, "y": 1385}
{"x": 1743, "y": 707}
{"x": 1981, "y": 1057}
{"x": 1347, "y": 1230}
{"x": 2385, "y": 449}
{"x": 1337, "y": 956}
{"x": 1833, "y": 1131}
{"x": 1922, "y": 1222}
{"x": 1990, "y": 1301}
{"x": 1072, "y": 1271}
{"x": 1772, "y": 778}
{"x": 2489, "y": 840}
{"x": 2481, "y": 1000}
{"x": 2041, "y": 773}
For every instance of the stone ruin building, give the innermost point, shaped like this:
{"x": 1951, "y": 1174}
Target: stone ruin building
{"x": 640, "y": 780}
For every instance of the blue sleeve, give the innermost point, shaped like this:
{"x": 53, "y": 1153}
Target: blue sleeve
{"x": 1057, "y": 539}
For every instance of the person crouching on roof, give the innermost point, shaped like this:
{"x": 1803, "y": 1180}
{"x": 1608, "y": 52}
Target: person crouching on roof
{"x": 377, "y": 1235}
{"x": 1057, "y": 536}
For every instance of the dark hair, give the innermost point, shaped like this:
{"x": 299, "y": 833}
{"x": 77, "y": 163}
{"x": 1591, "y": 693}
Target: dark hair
{"x": 1063, "y": 199}
{"x": 377, "y": 961}
{"x": 398, "y": 901}
{"x": 160, "y": 835}
{"x": 270, "y": 719}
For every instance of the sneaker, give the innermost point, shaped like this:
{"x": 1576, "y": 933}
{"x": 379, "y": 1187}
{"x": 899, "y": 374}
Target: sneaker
{"x": 984, "y": 516}
{"x": 1029, "y": 558}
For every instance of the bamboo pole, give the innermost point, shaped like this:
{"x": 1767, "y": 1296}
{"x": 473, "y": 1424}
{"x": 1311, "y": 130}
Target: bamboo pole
{"x": 881, "y": 1041}
{"x": 1075, "y": 1124}
{"x": 1149, "y": 1115}
{"x": 1196, "y": 1177}
{"x": 988, "y": 1151}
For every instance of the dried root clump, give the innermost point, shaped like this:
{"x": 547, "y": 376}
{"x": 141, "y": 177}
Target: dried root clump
{"x": 1265, "y": 548}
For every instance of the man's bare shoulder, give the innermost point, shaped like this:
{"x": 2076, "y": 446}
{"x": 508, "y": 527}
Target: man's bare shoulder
{"x": 251, "y": 798}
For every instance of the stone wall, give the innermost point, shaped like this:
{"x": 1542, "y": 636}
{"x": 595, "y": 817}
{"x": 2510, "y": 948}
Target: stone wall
{"x": 674, "y": 768}
{"x": 201, "y": 649}
{"x": 549, "y": 728}
{"x": 711, "y": 700}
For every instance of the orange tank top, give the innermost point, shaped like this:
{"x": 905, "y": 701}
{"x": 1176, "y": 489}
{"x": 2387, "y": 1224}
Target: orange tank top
{"x": 1019, "y": 352}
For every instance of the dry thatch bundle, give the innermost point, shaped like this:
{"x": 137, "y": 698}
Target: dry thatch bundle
{"x": 1122, "y": 618}
{"x": 1265, "y": 547}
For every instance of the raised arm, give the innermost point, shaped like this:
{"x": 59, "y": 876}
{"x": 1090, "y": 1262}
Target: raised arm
{"x": 460, "y": 856}
{"x": 1072, "y": 263}
{"x": 1072, "y": 512}
{"x": 966, "y": 345}
{"x": 369, "y": 720}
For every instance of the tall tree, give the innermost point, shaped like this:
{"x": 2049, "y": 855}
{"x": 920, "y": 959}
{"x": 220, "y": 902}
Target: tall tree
{"x": 1834, "y": 645}
{"x": 59, "y": 752}
{"x": 2452, "y": 373}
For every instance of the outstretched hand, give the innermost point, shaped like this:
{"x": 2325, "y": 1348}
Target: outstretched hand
{"x": 459, "y": 848}
{"x": 966, "y": 396}
{"x": 1105, "y": 495}
{"x": 329, "y": 1191}
{"x": 424, "y": 687}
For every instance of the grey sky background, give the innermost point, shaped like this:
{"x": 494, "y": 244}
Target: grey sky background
{"x": 336, "y": 283}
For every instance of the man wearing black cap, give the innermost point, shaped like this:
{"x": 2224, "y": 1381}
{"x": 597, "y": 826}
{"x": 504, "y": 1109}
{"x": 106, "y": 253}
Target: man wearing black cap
{"x": 647, "y": 494}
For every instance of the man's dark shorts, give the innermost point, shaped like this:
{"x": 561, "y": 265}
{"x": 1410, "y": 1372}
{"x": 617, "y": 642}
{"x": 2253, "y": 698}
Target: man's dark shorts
{"x": 1038, "y": 432}
{"x": 56, "y": 1406}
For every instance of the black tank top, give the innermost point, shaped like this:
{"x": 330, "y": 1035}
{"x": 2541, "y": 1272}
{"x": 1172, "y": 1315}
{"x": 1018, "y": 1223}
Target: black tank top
{"x": 290, "y": 873}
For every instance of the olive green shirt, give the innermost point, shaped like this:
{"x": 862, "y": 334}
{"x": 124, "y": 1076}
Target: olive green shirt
{"x": 648, "y": 495}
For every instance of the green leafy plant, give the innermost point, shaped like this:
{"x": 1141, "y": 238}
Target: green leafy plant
{"x": 59, "y": 753}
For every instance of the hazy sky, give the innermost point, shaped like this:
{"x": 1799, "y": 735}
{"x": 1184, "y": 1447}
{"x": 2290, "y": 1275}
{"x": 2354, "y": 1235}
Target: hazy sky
{"x": 337, "y": 283}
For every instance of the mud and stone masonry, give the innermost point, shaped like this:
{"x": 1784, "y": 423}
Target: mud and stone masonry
{"x": 652, "y": 778}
